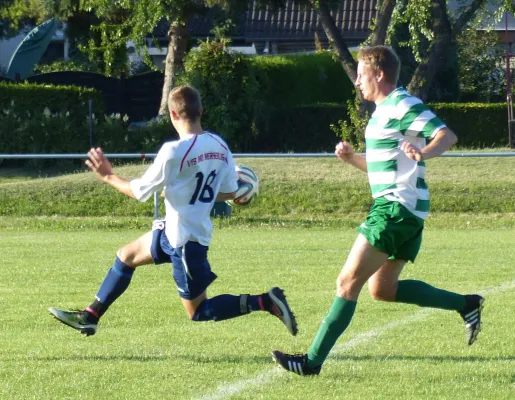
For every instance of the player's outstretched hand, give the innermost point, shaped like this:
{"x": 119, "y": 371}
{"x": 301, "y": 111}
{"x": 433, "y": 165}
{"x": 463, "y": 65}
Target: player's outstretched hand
{"x": 411, "y": 151}
{"x": 344, "y": 151}
{"x": 98, "y": 163}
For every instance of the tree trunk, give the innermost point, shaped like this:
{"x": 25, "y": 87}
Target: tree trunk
{"x": 342, "y": 51}
{"x": 335, "y": 38}
{"x": 467, "y": 15}
{"x": 177, "y": 45}
{"x": 441, "y": 45}
{"x": 438, "y": 49}
{"x": 384, "y": 16}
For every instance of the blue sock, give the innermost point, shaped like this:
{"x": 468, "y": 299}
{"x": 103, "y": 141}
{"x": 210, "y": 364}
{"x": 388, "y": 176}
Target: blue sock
{"x": 222, "y": 307}
{"x": 116, "y": 281}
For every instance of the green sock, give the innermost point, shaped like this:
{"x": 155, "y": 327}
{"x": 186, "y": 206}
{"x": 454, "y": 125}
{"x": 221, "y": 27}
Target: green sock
{"x": 425, "y": 295}
{"x": 333, "y": 325}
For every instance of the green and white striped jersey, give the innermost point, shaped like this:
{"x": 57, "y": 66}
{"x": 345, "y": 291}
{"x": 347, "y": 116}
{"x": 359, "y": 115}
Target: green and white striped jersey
{"x": 391, "y": 173}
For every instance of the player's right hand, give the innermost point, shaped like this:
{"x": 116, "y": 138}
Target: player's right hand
{"x": 344, "y": 151}
{"x": 99, "y": 163}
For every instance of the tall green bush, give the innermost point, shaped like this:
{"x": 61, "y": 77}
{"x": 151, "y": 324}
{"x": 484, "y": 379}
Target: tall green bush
{"x": 304, "y": 79}
{"x": 231, "y": 92}
{"x": 482, "y": 69}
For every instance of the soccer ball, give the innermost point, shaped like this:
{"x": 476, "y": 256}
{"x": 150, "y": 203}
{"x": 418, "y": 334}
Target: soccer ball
{"x": 248, "y": 186}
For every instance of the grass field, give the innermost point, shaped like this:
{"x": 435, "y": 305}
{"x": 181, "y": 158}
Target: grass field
{"x": 146, "y": 348}
{"x": 59, "y": 235}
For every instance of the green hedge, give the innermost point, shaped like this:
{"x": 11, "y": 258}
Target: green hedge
{"x": 54, "y": 119}
{"x": 306, "y": 129}
{"x": 299, "y": 129}
{"x": 477, "y": 125}
{"x": 44, "y": 118}
{"x": 304, "y": 79}
{"x": 32, "y": 97}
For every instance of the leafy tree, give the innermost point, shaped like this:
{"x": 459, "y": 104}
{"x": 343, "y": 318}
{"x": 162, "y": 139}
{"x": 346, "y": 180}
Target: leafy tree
{"x": 430, "y": 37}
{"x": 18, "y": 14}
{"x": 136, "y": 20}
{"x": 78, "y": 63}
{"x": 481, "y": 74}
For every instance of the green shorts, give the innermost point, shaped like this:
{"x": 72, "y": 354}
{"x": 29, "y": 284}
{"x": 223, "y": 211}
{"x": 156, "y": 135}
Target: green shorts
{"x": 394, "y": 230}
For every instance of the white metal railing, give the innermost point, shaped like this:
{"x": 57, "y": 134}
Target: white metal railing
{"x": 143, "y": 156}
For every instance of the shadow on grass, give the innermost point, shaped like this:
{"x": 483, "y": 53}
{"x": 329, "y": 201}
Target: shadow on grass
{"x": 190, "y": 358}
{"x": 432, "y": 358}
{"x": 254, "y": 359}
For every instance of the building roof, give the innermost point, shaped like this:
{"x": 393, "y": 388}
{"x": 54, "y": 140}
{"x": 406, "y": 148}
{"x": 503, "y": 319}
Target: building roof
{"x": 293, "y": 22}
{"x": 353, "y": 19}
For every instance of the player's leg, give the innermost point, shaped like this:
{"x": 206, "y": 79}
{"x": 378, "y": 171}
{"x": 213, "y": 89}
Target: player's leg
{"x": 192, "y": 274}
{"x": 115, "y": 283}
{"x": 385, "y": 285}
{"x": 363, "y": 261}
{"x": 118, "y": 278}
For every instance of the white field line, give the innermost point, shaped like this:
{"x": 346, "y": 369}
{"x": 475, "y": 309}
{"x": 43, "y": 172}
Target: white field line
{"x": 226, "y": 390}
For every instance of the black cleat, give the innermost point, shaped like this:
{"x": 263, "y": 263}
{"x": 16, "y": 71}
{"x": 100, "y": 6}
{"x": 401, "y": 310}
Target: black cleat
{"x": 82, "y": 321}
{"x": 280, "y": 308}
{"x": 471, "y": 314}
{"x": 296, "y": 363}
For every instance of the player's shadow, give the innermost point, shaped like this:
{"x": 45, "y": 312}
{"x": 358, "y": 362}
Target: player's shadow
{"x": 448, "y": 358}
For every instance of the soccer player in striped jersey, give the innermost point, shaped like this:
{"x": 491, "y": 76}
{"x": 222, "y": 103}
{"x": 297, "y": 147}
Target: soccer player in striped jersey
{"x": 394, "y": 161}
{"x": 193, "y": 172}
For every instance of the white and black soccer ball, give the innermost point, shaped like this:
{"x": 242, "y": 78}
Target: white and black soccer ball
{"x": 248, "y": 186}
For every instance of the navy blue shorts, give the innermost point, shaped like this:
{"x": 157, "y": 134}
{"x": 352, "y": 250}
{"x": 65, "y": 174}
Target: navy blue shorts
{"x": 191, "y": 270}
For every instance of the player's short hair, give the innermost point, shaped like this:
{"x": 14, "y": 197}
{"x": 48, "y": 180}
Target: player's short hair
{"x": 185, "y": 101}
{"x": 382, "y": 58}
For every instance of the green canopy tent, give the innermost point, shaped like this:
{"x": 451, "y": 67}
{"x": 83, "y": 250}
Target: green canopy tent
{"x": 31, "y": 49}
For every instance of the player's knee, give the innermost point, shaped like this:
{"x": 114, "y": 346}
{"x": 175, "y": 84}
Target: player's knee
{"x": 381, "y": 293}
{"x": 202, "y": 313}
{"x": 347, "y": 286}
{"x": 125, "y": 255}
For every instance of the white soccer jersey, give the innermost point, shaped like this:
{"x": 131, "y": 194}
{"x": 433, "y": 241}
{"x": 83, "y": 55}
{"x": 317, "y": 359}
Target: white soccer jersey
{"x": 191, "y": 171}
{"x": 400, "y": 117}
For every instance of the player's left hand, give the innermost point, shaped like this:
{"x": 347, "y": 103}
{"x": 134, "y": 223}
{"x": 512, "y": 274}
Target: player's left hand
{"x": 99, "y": 163}
{"x": 411, "y": 151}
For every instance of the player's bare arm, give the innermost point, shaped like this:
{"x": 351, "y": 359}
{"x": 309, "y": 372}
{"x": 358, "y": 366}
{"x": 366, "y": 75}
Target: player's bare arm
{"x": 345, "y": 152}
{"x": 442, "y": 141}
{"x": 225, "y": 196}
{"x": 99, "y": 164}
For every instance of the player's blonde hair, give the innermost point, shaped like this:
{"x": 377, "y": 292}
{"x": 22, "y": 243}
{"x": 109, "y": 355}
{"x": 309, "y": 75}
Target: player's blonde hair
{"x": 382, "y": 58}
{"x": 185, "y": 102}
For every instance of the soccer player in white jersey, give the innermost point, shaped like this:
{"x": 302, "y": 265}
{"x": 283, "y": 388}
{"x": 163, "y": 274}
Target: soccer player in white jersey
{"x": 193, "y": 172}
{"x": 396, "y": 149}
